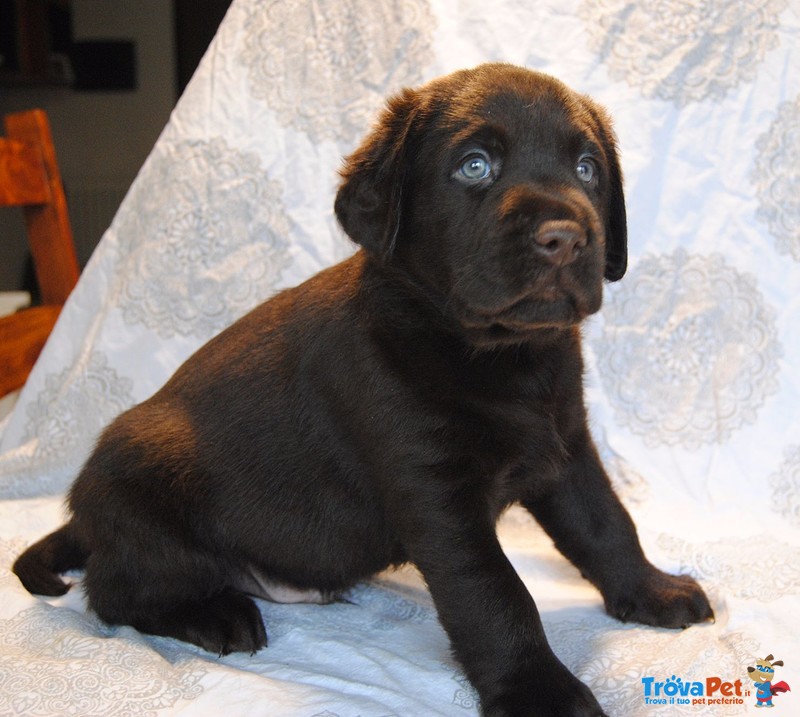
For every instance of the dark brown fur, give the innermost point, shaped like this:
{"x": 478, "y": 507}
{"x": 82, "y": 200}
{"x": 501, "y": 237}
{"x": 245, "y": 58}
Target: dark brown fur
{"x": 390, "y": 408}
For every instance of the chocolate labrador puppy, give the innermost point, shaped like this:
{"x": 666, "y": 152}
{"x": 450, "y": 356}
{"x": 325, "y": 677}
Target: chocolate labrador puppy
{"x": 390, "y": 408}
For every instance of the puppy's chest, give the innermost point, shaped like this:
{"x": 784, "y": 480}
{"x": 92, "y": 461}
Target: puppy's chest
{"x": 515, "y": 432}
{"x": 525, "y": 437}
{"x": 503, "y": 417}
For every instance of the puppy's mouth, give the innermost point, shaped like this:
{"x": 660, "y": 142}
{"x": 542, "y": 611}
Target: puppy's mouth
{"x": 550, "y": 305}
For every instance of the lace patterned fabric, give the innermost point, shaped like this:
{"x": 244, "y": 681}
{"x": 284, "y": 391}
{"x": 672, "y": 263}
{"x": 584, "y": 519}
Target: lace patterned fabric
{"x": 82, "y": 669}
{"x": 336, "y": 59}
{"x": 682, "y": 51}
{"x": 197, "y": 257}
{"x": 689, "y": 350}
{"x": 785, "y": 487}
{"x": 692, "y": 364}
{"x": 777, "y": 179}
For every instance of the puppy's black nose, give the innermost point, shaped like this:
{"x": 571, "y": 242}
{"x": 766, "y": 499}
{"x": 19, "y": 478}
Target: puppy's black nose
{"x": 560, "y": 241}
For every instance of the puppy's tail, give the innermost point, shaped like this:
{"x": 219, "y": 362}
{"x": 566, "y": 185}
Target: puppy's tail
{"x": 39, "y": 566}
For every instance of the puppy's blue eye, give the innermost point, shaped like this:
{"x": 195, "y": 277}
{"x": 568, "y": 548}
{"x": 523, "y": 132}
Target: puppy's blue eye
{"x": 475, "y": 167}
{"x": 586, "y": 170}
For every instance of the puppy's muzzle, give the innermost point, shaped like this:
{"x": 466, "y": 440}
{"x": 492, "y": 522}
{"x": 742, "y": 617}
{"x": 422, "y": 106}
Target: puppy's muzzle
{"x": 543, "y": 269}
{"x": 561, "y": 221}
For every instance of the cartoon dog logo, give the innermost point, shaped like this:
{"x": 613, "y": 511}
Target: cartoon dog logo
{"x": 762, "y": 675}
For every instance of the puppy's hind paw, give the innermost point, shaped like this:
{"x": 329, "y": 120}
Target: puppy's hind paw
{"x": 225, "y": 623}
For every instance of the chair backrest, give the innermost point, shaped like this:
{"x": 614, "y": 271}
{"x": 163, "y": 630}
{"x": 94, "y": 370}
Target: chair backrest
{"x": 29, "y": 178}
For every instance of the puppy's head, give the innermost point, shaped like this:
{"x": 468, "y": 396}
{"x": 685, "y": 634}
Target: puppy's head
{"x": 498, "y": 192}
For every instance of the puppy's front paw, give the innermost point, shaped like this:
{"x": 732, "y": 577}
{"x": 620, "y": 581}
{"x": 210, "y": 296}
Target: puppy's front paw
{"x": 554, "y": 692}
{"x": 661, "y": 600}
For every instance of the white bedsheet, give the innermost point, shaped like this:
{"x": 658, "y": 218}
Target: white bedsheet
{"x": 693, "y": 365}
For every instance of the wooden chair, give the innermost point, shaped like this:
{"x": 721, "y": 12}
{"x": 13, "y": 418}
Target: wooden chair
{"x": 29, "y": 178}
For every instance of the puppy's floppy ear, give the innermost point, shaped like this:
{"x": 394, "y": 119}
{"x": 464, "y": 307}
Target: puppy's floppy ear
{"x": 369, "y": 201}
{"x": 617, "y": 230}
{"x": 616, "y": 224}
